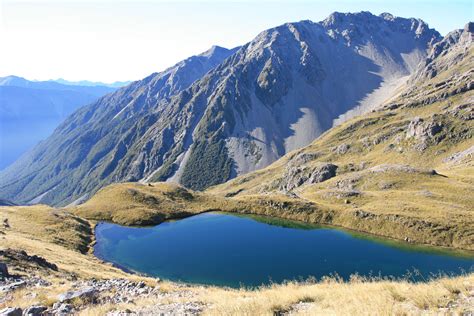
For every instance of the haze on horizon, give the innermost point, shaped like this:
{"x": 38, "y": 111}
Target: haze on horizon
{"x": 109, "y": 41}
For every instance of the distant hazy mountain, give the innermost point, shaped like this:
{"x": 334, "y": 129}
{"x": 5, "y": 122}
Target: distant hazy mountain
{"x": 14, "y": 81}
{"x": 31, "y": 110}
{"x": 87, "y": 83}
{"x": 225, "y": 113}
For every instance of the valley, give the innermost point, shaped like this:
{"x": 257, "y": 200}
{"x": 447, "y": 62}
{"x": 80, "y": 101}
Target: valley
{"x": 265, "y": 153}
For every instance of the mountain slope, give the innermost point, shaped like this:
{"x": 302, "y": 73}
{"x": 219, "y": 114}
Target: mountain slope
{"x": 86, "y": 148}
{"x": 275, "y": 94}
{"x": 30, "y": 110}
{"x": 404, "y": 171}
{"x": 291, "y": 82}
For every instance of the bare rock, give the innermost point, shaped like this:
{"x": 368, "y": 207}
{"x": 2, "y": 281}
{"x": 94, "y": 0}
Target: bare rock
{"x": 460, "y": 156}
{"x": 342, "y": 149}
{"x": 12, "y": 285}
{"x": 363, "y": 214}
{"x": 11, "y": 311}
{"x": 383, "y": 168}
{"x": 303, "y": 158}
{"x": 464, "y": 111}
{"x": 296, "y": 176}
{"x": 62, "y": 309}
{"x": 421, "y": 130}
{"x": 88, "y": 293}
{"x": 21, "y": 256}
{"x": 36, "y": 310}
{"x": 469, "y": 27}
{"x": 3, "y": 270}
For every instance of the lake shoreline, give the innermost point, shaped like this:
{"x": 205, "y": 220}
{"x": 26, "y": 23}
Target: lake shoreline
{"x": 128, "y": 204}
{"x": 286, "y": 228}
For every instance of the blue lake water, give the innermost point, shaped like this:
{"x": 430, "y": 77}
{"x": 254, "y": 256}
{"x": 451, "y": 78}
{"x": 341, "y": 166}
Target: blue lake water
{"x": 230, "y": 250}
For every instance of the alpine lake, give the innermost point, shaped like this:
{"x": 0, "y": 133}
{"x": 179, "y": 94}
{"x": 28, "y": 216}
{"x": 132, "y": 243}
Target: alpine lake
{"x": 235, "y": 250}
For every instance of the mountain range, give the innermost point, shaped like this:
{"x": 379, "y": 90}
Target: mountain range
{"x": 31, "y": 110}
{"x": 87, "y": 83}
{"x": 224, "y": 113}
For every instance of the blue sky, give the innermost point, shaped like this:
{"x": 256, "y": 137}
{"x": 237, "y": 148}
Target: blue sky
{"x": 110, "y": 40}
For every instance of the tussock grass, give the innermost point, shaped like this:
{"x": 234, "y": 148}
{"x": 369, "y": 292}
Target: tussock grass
{"x": 49, "y": 224}
{"x": 360, "y": 296}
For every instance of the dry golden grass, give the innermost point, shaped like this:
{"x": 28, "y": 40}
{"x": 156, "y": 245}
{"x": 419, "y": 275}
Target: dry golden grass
{"x": 49, "y": 224}
{"x": 328, "y": 297}
{"x": 358, "y": 297}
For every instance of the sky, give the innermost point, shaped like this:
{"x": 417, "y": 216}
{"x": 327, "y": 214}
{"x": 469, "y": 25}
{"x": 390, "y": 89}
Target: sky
{"x": 117, "y": 40}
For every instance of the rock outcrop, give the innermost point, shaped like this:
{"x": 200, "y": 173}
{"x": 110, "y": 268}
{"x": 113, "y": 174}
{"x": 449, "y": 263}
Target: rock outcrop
{"x": 11, "y": 311}
{"x": 296, "y": 176}
{"x": 4, "y": 270}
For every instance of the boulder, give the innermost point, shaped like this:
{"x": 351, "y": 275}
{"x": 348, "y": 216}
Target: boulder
{"x": 424, "y": 132}
{"x": 12, "y": 286}
{"x": 342, "y": 149}
{"x": 11, "y": 311}
{"x": 3, "y": 270}
{"x": 36, "y": 310}
{"x": 89, "y": 293}
{"x": 296, "y": 176}
{"x": 419, "y": 129}
{"x": 62, "y": 309}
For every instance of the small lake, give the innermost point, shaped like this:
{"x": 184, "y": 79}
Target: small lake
{"x": 233, "y": 250}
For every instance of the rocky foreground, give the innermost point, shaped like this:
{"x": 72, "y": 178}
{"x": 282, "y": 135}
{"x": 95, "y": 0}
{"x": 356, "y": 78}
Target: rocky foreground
{"x": 84, "y": 294}
{"x": 125, "y": 297}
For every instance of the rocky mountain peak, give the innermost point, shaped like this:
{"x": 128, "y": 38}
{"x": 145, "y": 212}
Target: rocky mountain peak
{"x": 357, "y": 28}
{"x": 216, "y": 51}
{"x": 469, "y": 27}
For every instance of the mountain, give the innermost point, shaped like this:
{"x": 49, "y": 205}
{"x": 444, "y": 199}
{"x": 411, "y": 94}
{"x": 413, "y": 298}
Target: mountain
{"x": 14, "y": 81}
{"x": 90, "y": 136}
{"x": 232, "y": 115}
{"x": 405, "y": 170}
{"x": 116, "y": 84}
{"x": 30, "y": 110}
